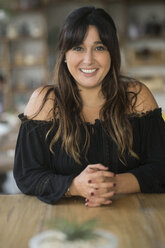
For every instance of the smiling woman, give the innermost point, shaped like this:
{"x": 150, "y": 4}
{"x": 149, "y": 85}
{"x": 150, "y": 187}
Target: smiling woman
{"x": 94, "y": 133}
{"x": 90, "y": 62}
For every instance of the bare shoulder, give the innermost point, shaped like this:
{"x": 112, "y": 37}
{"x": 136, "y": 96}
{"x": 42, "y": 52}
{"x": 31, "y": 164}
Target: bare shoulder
{"x": 40, "y": 104}
{"x": 145, "y": 99}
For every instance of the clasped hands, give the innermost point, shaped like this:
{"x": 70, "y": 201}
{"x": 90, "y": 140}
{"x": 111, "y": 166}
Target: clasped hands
{"x": 96, "y": 184}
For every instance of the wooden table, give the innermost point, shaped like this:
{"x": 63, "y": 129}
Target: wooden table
{"x": 138, "y": 220}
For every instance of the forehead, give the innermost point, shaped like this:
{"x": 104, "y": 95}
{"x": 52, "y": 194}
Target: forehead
{"x": 92, "y": 35}
{"x": 79, "y": 35}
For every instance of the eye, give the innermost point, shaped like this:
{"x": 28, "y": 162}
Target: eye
{"x": 77, "y": 48}
{"x": 101, "y": 48}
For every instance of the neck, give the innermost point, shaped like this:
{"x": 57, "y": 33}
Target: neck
{"x": 92, "y": 98}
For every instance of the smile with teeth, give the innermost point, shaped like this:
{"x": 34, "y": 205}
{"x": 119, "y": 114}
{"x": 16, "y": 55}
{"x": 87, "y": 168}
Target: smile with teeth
{"x": 88, "y": 70}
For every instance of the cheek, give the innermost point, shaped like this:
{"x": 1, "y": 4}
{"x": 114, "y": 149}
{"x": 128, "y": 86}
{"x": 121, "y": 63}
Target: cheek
{"x": 72, "y": 62}
{"x": 71, "y": 67}
{"x": 105, "y": 61}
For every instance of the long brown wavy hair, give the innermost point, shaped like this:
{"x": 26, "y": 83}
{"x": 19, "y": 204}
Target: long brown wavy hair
{"x": 67, "y": 109}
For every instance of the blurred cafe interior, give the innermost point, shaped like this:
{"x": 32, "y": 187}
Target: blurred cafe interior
{"x": 28, "y": 37}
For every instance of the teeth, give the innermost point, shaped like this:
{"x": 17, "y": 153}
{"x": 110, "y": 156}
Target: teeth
{"x": 88, "y": 71}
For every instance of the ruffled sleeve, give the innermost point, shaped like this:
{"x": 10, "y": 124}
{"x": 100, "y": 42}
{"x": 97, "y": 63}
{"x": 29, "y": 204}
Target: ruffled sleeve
{"x": 151, "y": 172}
{"x": 33, "y": 170}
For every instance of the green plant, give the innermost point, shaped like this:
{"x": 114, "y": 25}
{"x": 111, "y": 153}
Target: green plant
{"x": 73, "y": 229}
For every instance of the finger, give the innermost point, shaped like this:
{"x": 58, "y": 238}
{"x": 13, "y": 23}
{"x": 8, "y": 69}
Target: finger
{"x": 106, "y": 193}
{"x": 92, "y": 205}
{"x": 97, "y": 202}
{"x": 95, "y": 195}
{"x": 99, "y": 186}
{"x": 101, "y": 176}
{"x": 97, "y": 167}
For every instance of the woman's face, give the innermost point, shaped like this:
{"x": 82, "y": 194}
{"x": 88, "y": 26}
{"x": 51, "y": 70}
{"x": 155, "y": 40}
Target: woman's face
{"x": 89, "y": 62}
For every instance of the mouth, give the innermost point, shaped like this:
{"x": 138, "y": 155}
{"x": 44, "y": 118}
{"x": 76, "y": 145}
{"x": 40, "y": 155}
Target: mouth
{"x": 88, "y": 71}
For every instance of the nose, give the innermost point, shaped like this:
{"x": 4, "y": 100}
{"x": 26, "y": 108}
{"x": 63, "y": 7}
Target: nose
{"x": 88, "y": 57}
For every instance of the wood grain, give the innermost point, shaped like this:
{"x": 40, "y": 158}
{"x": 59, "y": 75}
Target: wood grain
{"x": 138, "y": 220}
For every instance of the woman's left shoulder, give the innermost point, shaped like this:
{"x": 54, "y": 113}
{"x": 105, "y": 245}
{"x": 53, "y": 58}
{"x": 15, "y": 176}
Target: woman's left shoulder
{"x": 145, "y": 100}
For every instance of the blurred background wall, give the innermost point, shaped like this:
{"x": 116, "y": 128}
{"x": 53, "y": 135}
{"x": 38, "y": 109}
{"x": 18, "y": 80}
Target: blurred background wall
{"x": 28, "y": 37}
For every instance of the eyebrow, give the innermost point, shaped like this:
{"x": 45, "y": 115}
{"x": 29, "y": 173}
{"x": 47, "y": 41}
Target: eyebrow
{"x": 98, "y": 42}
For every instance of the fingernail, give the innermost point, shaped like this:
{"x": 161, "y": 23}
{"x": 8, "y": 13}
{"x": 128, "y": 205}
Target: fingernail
{"x": 86, "y": 204}
{"x": 89, "y": 181}
{"x": 92, "y": 193}
{"x": 87, "y": 200}
{"x": 114, "y": 184}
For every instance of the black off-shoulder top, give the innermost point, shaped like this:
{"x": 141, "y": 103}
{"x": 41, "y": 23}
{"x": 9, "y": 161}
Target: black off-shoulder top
{"x": 39, "y": 172}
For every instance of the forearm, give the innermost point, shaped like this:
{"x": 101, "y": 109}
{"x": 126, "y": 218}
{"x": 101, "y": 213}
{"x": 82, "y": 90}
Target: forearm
{"x": 126, "y": 183}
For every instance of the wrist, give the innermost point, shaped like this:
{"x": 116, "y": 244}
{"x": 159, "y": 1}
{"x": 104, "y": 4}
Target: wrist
{"x": 67, "y": 193}
{"x": 126, "y": 183}
{"x": 73, "y": 189}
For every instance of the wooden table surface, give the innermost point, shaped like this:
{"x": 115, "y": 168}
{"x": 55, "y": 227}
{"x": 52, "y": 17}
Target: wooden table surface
{"x": 138, "y": 220}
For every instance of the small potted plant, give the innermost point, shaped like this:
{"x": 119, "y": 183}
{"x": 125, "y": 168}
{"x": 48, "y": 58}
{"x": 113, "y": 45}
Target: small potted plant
{"x": 72, "y": 234}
